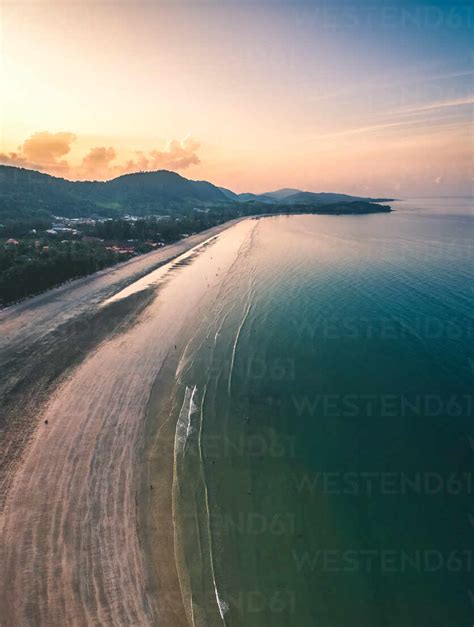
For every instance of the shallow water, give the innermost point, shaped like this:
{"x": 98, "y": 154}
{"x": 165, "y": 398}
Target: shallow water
{"x": 327, "y": 448}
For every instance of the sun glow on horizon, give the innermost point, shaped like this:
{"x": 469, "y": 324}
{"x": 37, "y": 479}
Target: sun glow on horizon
{"x": 250, "y": 97}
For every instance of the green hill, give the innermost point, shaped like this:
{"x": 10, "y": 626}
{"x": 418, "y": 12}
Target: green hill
{"x": 27, "y": 195}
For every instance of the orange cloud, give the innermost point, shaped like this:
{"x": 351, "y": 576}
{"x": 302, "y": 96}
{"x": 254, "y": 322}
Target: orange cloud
{"x": 44, "y": 151}
{"x": 178, "y": 155}
{"x": 96, "y": 164}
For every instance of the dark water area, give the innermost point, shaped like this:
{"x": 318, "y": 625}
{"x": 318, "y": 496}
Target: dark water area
{"x": 327, "y": 427}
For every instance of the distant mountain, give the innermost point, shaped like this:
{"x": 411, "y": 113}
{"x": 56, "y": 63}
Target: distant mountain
{"x": 27, "y": 194}
{"x": 282, "y": 193}
{"x": 289, "y": 196}
{"x": 229, "y": 194}
{"x": 319, "y": 198}
{"x": 248, "y": 197}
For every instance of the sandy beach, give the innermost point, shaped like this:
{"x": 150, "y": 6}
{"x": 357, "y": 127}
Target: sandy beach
{"x": 45, "y": 336}
{"x": 87, "y": 525}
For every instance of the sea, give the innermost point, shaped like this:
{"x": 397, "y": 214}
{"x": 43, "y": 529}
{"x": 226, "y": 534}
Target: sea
{"x": 324, "y": 449}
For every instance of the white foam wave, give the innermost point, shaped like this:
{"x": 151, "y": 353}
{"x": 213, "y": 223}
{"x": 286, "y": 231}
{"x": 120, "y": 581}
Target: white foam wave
{"x": 184, "y": 424}
{"x": 236, "y": 340}
{"x": 221, "y": 604}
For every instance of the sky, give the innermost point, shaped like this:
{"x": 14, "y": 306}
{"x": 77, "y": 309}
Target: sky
{"x": 357, "y": 97}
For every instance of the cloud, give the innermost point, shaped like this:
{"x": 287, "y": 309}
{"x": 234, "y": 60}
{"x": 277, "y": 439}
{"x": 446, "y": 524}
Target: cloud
{"x": 178, "y": 155}
{"x": 45, "y": 151}
{"x": 96, "y": 164}
{"x": 443, "y": 104}
{"x": 363, "y": 129}
{"x": 405, "y": 117}
{"x": 42, "y": 151}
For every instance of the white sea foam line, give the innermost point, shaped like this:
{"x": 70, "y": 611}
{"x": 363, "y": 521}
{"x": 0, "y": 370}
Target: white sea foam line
{"x": 183, "y": 424}
{"x": 224, "y": 318}
{"x": 185, "y": 358}
{"x": 192, "y": 410}
{"x": 237, "y": 336}
{"x": 178, "y": 446}
{"x": 180, "y": 443}
{"x": 221, "y": 604}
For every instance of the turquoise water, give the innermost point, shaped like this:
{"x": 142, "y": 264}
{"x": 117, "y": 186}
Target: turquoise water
{"x": 326, "y": 458}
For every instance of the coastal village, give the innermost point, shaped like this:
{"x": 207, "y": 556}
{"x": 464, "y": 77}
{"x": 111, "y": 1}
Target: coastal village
{"x": 38, "y": 255}
{"x": 72, "y": 230}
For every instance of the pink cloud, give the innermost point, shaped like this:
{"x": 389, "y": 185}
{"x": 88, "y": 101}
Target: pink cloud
{"x": 45, "y": 151}
{"x": 42, "y": 151}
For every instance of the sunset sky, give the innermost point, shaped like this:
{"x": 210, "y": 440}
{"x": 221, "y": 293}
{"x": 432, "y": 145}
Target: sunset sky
{"x": 326, "y": 96}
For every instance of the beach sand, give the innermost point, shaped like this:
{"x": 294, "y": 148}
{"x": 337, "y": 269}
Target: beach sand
{"x": 88, "y": 534}
{"x": 44, "y": 337}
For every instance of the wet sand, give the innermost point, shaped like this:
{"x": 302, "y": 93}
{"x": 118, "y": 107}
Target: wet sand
{"x": 100, "y": 457}
{"x": 42, "y": 338}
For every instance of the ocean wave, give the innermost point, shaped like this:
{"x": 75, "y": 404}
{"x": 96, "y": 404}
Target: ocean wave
{"x": 184, "y": 424}
{"x": 237, "y": 336}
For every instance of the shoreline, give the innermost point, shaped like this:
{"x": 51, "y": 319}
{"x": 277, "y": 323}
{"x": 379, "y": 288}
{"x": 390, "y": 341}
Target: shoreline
{"x": 44, "y": 338}
{"x": 79, "y": 444}
{"x": 170, "y": 500}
